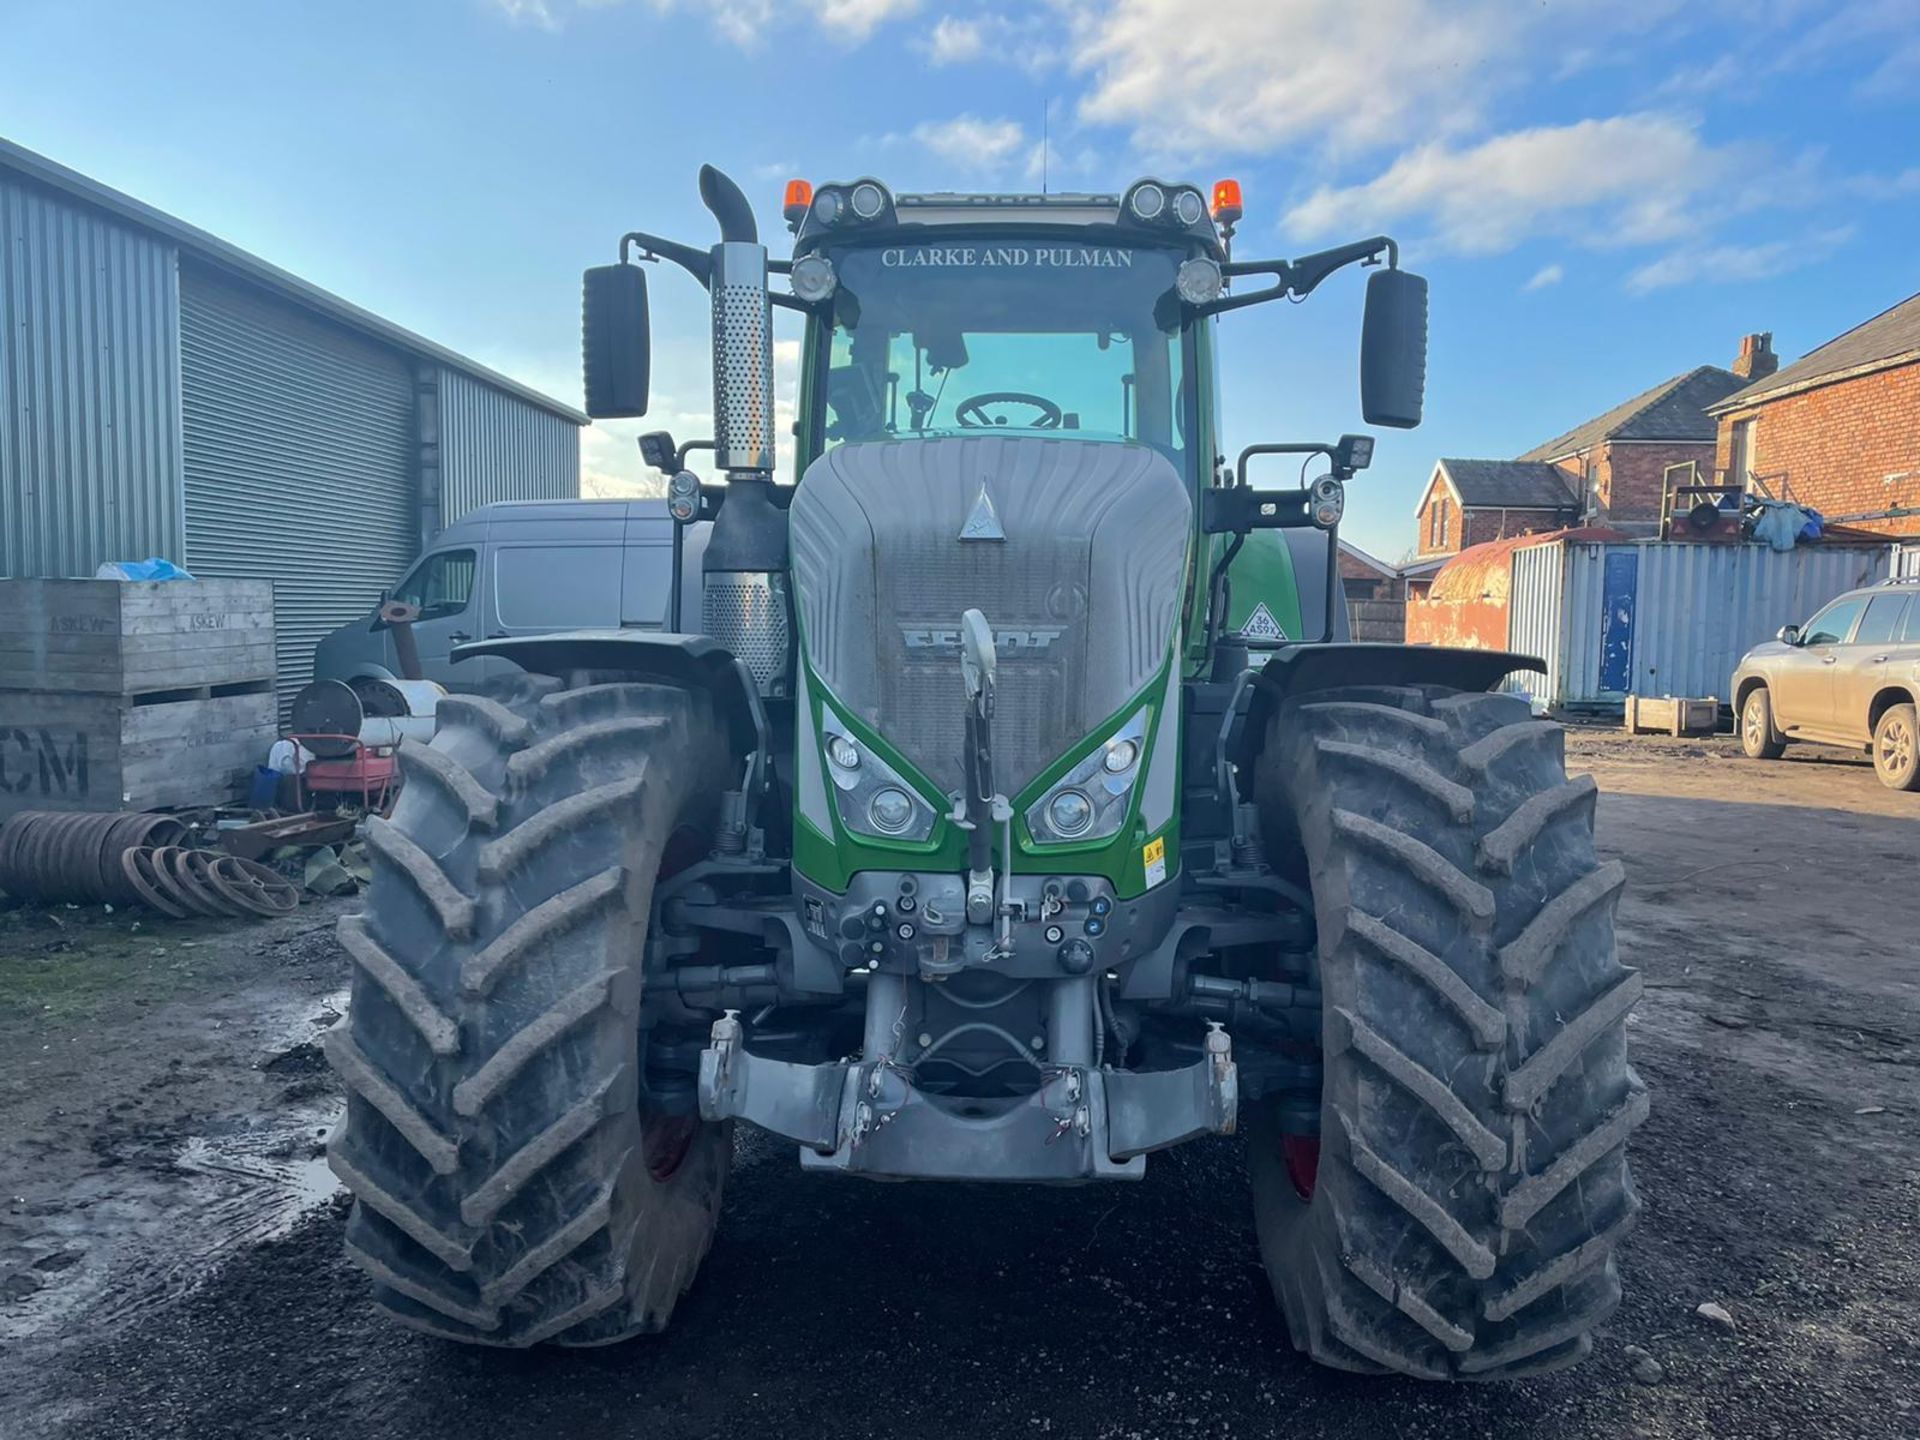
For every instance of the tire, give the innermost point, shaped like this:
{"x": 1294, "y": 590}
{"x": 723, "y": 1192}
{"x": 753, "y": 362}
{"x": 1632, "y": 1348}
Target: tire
{"x": 1758, "y": 739}
{"x": 1471, "y": 1179}
{"x": 511, "y": 1182}
{"x": 1896, "y": 748}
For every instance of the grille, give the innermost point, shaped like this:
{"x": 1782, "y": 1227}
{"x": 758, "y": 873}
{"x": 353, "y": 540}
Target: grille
{"x": 747, "y": 613}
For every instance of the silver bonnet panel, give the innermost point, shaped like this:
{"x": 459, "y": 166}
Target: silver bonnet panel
{"x": 1083, "y": 593}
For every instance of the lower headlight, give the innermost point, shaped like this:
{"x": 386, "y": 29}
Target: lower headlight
{"x": 1070, "y": 813}
{"x": 1091, "y": 800}
{"x": 872, "y": 797}
{"x": 891, "y": 810}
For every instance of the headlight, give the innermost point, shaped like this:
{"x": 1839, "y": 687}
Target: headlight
{"x": 1149, "y": 201}
{"x": 891, "y": 810}
{"x": 872, "y": 797}
{"x": 827, "y": 206}
{"x": 868, "y": 200}
{"x": 1188, "y": 207}
{"x": 812, "y": 278}
{"x": 1198, "y": 280}
{"x": 1069, "y": 813}
{"x": 1329, "y": 502}
{"x": 1090, "y": 801}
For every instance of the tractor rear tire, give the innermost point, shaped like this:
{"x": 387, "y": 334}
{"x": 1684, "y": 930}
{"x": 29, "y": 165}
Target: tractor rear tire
{"x": 1471, "y": 1180}
{"x": 512, "y": 1182}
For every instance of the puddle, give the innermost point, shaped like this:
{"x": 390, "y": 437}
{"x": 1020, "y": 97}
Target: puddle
{"x": 158, "y": 1212}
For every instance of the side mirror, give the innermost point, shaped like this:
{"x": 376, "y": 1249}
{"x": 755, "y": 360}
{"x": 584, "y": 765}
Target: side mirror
{"x": 615, "y": 344}
{"x": 1789, "y": 635}
{"x": 1393, "y": 349}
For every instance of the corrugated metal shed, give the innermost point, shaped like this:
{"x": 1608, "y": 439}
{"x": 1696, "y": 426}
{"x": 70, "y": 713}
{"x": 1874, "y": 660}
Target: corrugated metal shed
{"x": 493, "y": 448}
{"x": 89, "y": 388}
{"x": 162, "y": 392}
{"x": 1664, "y": 618}
{"x": 1907, "y": 562}
{"x": 298, "y": 433}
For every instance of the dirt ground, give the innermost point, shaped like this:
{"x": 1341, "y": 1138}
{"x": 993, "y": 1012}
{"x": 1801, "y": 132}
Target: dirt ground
{"x": 170, "y": 1257}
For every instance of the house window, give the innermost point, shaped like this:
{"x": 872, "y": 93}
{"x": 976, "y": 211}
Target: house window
{"x": 1437, "y": 524}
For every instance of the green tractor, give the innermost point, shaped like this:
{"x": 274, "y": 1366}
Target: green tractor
{"x": 1015, "y": 806}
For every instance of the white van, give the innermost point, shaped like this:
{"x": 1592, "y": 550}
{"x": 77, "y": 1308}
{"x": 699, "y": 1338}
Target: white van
{"x": 522, "y": 568}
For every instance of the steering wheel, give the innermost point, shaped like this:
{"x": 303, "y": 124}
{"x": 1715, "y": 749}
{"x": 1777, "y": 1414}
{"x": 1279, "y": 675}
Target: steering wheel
{"x": 971, "y": 413}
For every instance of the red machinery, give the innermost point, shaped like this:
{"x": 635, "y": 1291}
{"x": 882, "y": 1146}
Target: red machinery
{"x": 344, "y": 765}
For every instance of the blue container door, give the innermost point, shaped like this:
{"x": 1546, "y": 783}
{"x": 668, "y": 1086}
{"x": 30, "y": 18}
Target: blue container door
{"x": 1620, "y": 582}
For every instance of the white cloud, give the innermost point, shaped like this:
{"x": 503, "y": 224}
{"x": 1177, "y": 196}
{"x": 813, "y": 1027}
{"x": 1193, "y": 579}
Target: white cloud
{"x": 1631, "y": 179}
{"x": 857, "y": 19}
{"x": 1546, "y": 275}
{"x": 527, "y": 12}
{"x": 1247, "y": 76}
{"x": 1725, "y": 264}
{"x": 1030, "y": 41}
{"x": 954, "y": 41}
{"x": 748, "y": 23}
{"x": 971, "y": 143}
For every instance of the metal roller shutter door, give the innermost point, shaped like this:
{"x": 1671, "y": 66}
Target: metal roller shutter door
{"x": 299, "y": 459}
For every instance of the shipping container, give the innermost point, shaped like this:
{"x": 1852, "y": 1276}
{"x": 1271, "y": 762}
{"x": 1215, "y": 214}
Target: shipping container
{"x": 1656, "y": 617}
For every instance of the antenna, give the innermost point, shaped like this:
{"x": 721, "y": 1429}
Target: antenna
{"x": 1046, "y": 117}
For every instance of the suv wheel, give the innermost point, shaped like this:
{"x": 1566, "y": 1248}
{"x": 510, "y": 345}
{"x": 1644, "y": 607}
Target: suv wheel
{"x": 1896, "y": 749}
{"x": 1757, "y": 737}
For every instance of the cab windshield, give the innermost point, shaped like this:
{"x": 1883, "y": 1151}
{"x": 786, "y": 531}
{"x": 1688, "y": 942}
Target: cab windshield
{"x": 1015, "y": 336}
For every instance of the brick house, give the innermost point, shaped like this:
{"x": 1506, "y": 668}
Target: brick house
{"x": 1468, "y": 502}
{"x": 1837, "y": 430}
{"x": 1611, "y": 470}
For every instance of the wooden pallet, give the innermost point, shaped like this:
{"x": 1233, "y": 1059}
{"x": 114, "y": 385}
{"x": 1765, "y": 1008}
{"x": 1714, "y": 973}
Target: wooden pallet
{"x": 1672, "y": 715}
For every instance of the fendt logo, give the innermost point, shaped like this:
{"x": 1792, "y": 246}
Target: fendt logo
{"x": 1028, "y": 640}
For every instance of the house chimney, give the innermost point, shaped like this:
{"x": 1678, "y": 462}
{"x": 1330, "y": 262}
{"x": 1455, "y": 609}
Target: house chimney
{"x": 1757, "y": 360}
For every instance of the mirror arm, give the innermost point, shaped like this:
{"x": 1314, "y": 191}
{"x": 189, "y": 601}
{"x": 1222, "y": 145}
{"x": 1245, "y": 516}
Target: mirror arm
{"x": 1299, "y": 278}
{"x": 697, "y": 263}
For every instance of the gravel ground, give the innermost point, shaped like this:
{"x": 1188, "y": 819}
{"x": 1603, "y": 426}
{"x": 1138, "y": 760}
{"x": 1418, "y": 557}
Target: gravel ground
{"x": 1771, "y": 909}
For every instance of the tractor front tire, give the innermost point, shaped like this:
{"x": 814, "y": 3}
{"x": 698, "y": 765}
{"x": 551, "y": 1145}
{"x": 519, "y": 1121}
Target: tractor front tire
{"x": 512, "y": 1181}
{"x": 1471, "y": 1181}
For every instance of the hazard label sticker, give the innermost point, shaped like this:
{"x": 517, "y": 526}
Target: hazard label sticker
{"x": 1154, "y": 857}
{"x": 1261, "y": 626}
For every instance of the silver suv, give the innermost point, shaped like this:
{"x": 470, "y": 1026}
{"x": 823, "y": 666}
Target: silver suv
{"x": 1849, "y": 676}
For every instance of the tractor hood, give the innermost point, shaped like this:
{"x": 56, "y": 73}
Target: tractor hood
{"x": 1075, "y": 550}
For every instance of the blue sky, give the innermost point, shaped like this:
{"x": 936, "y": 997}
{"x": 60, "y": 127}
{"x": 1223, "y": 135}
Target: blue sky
{"x": 1602, "y": 192}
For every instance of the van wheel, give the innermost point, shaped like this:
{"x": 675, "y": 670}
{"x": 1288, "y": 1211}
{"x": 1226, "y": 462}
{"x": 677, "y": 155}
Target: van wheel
{"x": 1758, "y": 740}
{"x": 1896, "y": 749}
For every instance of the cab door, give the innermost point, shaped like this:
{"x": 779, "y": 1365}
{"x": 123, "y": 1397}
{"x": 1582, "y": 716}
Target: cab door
{"x": 1803, "y": 680}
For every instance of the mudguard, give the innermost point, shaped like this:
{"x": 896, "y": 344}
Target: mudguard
{"x": 694, "y": 661}
{"x": 1301, "y": 669}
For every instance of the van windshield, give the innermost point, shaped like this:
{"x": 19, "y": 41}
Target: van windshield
{"x": 1034, "y": 336}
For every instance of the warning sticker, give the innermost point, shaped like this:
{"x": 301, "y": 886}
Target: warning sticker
{"x": 1262, "y": 626}
{"x": 1154, "y": 857}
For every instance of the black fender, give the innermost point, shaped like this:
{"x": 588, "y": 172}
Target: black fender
{"x": 1298, "y": 670}
{"x": 695, "y": 661}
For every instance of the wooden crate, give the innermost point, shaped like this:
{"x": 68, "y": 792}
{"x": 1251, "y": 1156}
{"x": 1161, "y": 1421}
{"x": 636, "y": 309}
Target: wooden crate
{"x": 114, "y": 752}
{"x": 1672, "y": 715}
{"x": 142, "y": 637}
